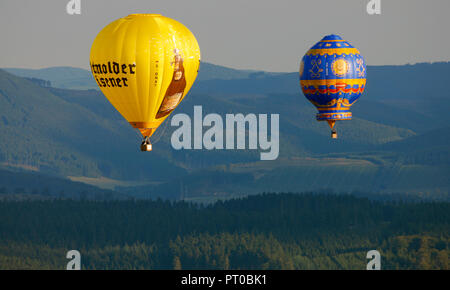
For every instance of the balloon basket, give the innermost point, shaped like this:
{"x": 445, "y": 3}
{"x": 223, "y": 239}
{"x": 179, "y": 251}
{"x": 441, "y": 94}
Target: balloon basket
{"x": 334, "y": 135}
{"x": 146, "y": 146}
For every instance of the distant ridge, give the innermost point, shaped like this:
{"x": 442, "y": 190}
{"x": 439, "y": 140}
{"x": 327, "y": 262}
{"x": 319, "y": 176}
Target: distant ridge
{"x": 65, "y": 77}
{"x": 411, "y": 80}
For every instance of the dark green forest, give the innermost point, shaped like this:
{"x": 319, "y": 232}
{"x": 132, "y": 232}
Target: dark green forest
{"x": 267, "y": 231}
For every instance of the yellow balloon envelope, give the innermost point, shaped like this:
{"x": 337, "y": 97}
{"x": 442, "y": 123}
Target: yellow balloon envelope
{"x": 145, "y": 64}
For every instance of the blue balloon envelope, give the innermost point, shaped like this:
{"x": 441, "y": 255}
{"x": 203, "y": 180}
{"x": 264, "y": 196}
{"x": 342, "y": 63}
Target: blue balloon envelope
{"x": 333, "y": 77}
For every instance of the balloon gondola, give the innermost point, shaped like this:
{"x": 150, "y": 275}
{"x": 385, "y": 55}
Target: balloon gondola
{"x": 145, "y": 64}
{"x": 332, "y": 78}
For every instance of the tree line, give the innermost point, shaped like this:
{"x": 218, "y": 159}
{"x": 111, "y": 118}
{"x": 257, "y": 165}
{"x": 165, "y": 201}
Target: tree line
{"x": 268, "y": 231}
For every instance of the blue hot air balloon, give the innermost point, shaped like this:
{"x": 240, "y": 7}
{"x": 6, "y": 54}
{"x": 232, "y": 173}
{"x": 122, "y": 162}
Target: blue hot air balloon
{"x": 333, "y": 77}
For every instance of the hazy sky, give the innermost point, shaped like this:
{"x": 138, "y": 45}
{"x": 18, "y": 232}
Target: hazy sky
{"x": 269, "y": 35}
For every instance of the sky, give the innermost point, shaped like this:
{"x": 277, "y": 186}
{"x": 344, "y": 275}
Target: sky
{"x": 270, "y": 35}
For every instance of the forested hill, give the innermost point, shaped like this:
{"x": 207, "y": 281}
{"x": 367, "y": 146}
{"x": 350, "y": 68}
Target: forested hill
{"x": 270, "y": 231}
{"x": 34, "y": 185}
{"x": 77, "y": 78}
{"x": 397, "y": 141}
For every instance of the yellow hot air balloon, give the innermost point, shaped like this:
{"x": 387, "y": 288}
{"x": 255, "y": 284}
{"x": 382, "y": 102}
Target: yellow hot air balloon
{"x": 145, "y": 64}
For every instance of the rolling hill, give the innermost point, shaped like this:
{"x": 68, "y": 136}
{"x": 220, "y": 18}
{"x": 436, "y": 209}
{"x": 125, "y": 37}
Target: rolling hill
{"x": 77, "y": 134}
{"x": 78, "y": 78}
{"x": 49, "y": 134}
{"x": 60, "y": 77}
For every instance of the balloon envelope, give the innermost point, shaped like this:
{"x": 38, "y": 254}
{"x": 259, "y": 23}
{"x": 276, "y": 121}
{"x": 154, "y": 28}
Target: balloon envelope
{"x": 145, "y": 64}
{"x": 333, "y": 77}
